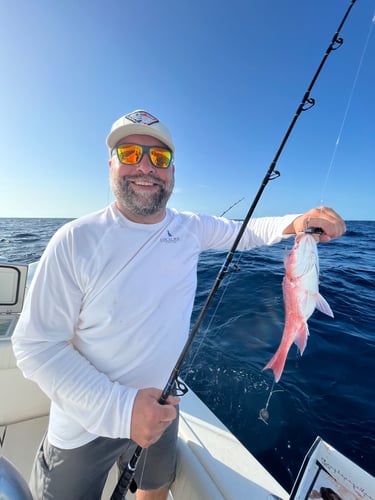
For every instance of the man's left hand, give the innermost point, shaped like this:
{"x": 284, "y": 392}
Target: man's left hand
{"x": 324, "y": 218}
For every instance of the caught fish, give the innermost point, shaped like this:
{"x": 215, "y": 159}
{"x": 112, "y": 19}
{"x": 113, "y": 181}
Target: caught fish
{"x": 301, "y": 298}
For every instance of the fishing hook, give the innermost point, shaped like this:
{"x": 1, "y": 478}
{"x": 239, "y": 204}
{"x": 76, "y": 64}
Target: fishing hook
{"x": 264, "y": 413}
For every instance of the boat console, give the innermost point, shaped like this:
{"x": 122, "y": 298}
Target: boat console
{"x": 24, "y": 407}
{"x": 12, "y": 292}
{"x": 21, "y": 399}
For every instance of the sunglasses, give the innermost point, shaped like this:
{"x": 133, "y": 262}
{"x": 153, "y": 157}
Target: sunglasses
{"x": 131, "y": 154}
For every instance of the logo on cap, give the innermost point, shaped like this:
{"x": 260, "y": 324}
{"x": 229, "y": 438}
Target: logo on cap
{"x": 142, "y": 117}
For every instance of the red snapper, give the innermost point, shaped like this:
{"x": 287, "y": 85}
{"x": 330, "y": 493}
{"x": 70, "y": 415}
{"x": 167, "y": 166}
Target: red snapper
{"x": 301, "y": 297}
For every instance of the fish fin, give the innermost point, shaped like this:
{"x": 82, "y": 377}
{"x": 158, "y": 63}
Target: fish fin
{"x": 277, "y": 363}
{"x": 323, "y": 306}
{"x": 285, "y": 257}
{"x": 301, "y": 338}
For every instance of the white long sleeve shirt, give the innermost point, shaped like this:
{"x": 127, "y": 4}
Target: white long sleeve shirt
{"x": 108, "y": 312}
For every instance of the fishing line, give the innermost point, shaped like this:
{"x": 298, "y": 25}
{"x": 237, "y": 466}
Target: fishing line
{"x": 330, "y": 167}
{"x": 126, "y": 480}
{"x": 264, "y": 413}
{"x": 235, "y": 268}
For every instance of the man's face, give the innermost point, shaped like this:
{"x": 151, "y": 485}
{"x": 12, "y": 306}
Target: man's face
{"x": 142, "y": 190}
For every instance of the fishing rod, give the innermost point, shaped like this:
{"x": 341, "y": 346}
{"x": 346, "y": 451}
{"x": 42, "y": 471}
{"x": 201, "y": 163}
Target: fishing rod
{"x": 230, "y": 208}
{"x": 126, "y": 480}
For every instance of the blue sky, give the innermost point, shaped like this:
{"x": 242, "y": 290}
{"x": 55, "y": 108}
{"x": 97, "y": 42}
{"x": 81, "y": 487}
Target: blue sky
{"x": 226, "y": 77}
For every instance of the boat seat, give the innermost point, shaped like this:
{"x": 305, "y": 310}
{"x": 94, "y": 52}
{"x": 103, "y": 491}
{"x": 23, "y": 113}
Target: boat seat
{"x": 21, "y": 399}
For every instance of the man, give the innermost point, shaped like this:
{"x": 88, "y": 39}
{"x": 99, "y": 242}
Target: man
{"x": 108, "y": 313}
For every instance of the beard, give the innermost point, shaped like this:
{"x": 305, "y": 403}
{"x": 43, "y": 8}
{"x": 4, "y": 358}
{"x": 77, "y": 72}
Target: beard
{"x": 141, "y": 204}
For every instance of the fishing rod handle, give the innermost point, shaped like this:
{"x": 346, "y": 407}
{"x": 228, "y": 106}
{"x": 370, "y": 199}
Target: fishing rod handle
{"x": 168, "y": 389}
{"x": 126, "y": 481}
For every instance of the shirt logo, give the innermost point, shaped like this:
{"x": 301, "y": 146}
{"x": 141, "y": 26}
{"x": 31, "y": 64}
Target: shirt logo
{"x": 169, "y": 238}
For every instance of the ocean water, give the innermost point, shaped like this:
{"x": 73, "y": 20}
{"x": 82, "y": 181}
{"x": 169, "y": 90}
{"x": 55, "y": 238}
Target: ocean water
{"x": 328, "y": 392}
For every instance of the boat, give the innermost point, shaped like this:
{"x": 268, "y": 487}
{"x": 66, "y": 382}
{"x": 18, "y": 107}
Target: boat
{"x": 212, "y": 463}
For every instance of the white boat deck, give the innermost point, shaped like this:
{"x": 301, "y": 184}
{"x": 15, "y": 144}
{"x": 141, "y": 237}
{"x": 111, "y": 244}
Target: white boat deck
{"x": 222, "y": 463}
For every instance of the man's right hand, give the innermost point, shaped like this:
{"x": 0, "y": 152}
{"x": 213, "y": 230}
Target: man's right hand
{"x": 149, "y": 417}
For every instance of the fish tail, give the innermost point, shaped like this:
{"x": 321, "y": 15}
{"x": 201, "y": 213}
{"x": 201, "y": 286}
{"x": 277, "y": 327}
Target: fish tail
{"x": 277, "y": 363}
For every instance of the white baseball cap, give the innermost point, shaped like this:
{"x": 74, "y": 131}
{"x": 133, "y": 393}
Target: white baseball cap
{"x": 139, "y": 122}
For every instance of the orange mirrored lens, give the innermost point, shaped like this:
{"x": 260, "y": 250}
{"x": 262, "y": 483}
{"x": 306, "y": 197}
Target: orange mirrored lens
{"x": 160, "y": 157}
{"x": 131, "y": 154}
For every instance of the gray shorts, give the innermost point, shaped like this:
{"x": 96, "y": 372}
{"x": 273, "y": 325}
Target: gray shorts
{"x": 81, "y": 473}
